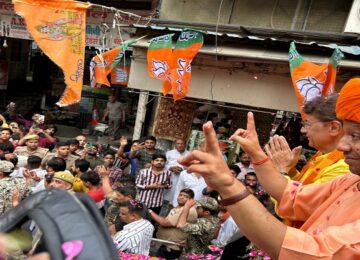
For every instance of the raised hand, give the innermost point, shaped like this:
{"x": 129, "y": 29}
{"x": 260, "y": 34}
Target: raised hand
{"x": 103, "y": 171}
{"x": 123, "y": 141}
{"x": 209, "y": 162}
{"x": 137, "y": 147}
{"x": 190, "y": 203}
{"x": 248, "y": 138}
{"x": 281, "y": 155}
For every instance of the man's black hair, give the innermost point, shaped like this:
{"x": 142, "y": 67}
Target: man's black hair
{"x": 235, "y": 168}
{"x": 57, "y": 164}
{"x": 92, "y": 177}
{"x": 7, "y": 147}
{"x": 158, "y": 155}
{"x": 127, "y": 191}
{"x": 150, "y": 137}
{"x": 134, "y": 206}
{"x": 72, "y": 141}
{"x": 82, "y": 164}
{"x": 189, "y": 192}
{"x": 7, "y": 129}
{"x": 33, "y": 162}
{"x": 59, "y": 144}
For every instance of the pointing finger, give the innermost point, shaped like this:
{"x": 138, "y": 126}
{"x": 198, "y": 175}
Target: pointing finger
{"x": 211, "y": 141}
{"x": 251, "y": 123}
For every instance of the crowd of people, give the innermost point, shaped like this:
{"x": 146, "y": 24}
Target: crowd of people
{"x": 178, "y": 203}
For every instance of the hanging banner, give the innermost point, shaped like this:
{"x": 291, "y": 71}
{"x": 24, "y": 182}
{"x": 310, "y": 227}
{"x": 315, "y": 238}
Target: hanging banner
{"x": 103, "y": 63}
{"x": 187, "y": 46}
{"x": 120, "y": 75}
{"x": 58, "y": 28}
{"x": 159, "y": 60}
{"x": 311, "y": 80}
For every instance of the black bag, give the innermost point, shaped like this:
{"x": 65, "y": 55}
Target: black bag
{"x": 63, "y": 217}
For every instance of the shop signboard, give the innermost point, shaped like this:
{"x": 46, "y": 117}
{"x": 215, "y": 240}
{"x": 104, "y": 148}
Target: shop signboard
{"x": 99, "y": 27}
{"x": 12, "y": 25}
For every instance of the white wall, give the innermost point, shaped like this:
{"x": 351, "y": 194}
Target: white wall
{"x": 268, "y": 91}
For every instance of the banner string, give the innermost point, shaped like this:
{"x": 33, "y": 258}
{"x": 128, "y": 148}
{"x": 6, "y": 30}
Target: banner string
{"x": 204, "y": 102}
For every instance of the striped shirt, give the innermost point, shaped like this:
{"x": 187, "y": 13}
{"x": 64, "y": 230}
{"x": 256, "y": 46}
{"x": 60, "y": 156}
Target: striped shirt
{"x": 135, "y": 237}
{"x": 152, "y": 197}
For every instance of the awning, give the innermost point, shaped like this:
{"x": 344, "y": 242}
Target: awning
{"x": 259, "y": 53}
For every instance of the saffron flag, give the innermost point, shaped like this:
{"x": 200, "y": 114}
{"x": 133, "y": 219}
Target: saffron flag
{"x": 312, "y": 80}
{"x": 187, "y": 46}
{"x": 102, "y": 64}
{"x": 58, "y": 28}
{"x": 158, "y": 59}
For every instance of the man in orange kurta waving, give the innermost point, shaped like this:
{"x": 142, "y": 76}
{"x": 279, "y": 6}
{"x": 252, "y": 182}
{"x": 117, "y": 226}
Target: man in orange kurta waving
{"x": 330, "y": 210}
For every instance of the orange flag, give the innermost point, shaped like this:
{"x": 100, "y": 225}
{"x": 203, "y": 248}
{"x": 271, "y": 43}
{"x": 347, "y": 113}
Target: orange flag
{"x": 311, "y": 80}
{"x": 58, "y": 28}
{"x": 158, "y": 59}
{"x": 102, "y": 64}
{"x": 187, "y": 46}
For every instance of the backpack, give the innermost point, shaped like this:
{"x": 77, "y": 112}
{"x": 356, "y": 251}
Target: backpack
{"x": 63, "y": 217}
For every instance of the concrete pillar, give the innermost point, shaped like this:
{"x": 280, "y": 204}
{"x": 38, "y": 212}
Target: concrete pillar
{"x": 140, "y": 115}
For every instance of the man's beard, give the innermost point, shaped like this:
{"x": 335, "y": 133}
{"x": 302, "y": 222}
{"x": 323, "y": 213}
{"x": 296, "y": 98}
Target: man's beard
{"x": 159, "y": 166}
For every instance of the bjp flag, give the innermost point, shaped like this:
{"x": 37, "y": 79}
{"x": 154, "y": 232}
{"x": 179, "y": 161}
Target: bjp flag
{"x": 158, "y": 59}
{"x": 58, "y": 28}
{"x": 311, "y": 80}
{"x": 102, "y": 64}
{"x": 187, "y": 46}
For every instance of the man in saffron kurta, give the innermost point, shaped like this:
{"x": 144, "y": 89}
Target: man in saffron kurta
{"x": 331, "y": 215}
{"x": 324, "y": 131}
{"x": 330, "y": 211}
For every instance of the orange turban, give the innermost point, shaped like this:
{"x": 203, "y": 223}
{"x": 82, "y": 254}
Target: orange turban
{"x": 348, "y": 103}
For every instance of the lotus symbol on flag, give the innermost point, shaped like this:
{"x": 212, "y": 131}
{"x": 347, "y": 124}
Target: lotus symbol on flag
{"x": 310, "y": 87}
{"x": 159, "y": 68}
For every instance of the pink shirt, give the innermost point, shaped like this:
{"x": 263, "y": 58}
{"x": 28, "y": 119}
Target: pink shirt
{"x": 331, "y": 212}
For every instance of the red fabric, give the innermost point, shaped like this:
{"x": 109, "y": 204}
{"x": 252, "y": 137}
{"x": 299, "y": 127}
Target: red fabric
{"x": 97, "y": 194}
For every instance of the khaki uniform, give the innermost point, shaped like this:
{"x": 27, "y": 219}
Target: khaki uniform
{"x": 175, "y": 234}
{"x": 24, "y": 151}
{"x": 70, "y": 159}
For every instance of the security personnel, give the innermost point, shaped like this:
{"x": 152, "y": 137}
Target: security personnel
{"x": 32, "y": 147}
